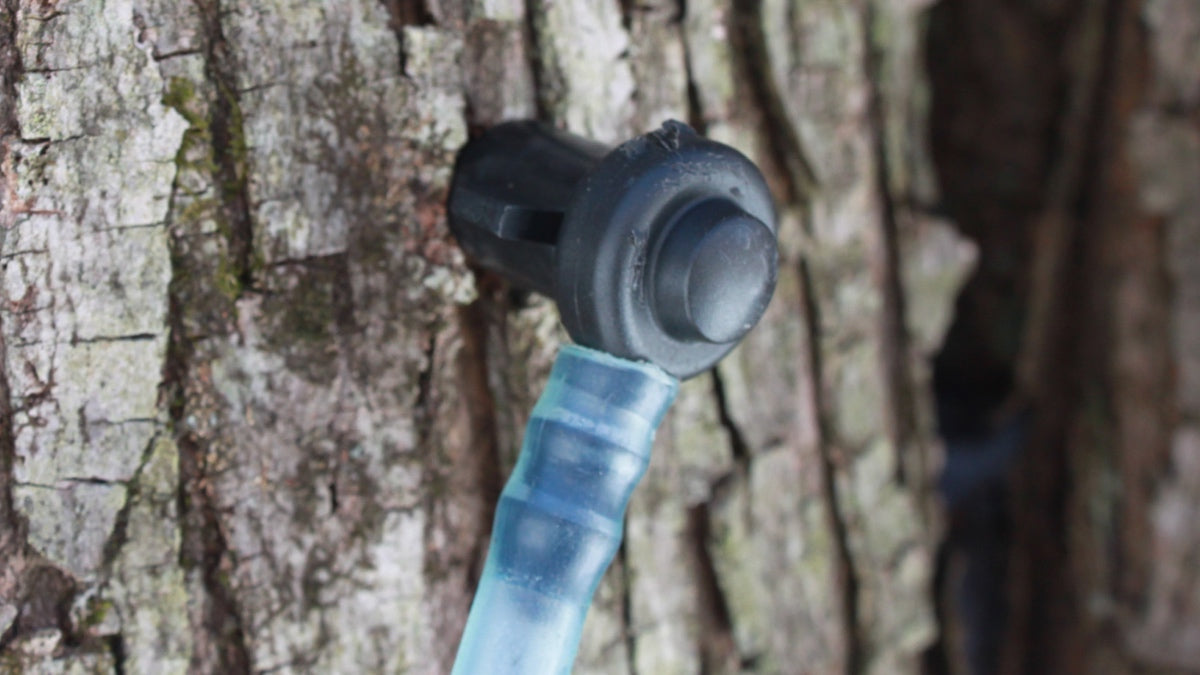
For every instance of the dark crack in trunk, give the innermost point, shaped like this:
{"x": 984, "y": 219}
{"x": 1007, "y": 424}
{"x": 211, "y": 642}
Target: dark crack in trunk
{"x": 847, "y": 575}
{"x": 787, "y": 162}
{"x": 894, "y": 337}
{"x": 231, "y": 175}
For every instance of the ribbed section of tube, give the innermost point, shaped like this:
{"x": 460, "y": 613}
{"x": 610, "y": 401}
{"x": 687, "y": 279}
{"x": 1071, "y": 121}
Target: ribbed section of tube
{"x": 560, "y": 518}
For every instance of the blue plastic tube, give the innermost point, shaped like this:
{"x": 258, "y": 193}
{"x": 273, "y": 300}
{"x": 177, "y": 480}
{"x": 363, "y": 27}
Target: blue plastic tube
{"x": 560, "y": 518}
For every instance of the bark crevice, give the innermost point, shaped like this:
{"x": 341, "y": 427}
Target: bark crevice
{"x": 119, "y": 535}
{"x": 847, "y": 574}
{"x": 628, "y": 630}
{"x": 221, "y": 642}
{"x": 116, "y": 650}
{"x": 737, "y": 440}
{"x": 717, "y": 647}
{"x": 537, "y": 69}
{"x": 14, "y": 550}
{"x": 782, "y": 148}
{"x": 474, "y": 363}
{"x": 229, "y": 150}
{"x": 695, "y": 108}
{"x": 894, "y": 340}
{"x": 402, "y": 14}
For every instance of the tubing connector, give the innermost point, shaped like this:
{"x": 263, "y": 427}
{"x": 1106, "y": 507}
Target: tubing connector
{"x": 561, "y": 516}
{"x": 662, "y": 250}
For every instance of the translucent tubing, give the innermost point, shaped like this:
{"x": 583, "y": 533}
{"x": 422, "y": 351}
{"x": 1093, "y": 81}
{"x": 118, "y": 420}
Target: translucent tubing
{"x": 560, "y": 518}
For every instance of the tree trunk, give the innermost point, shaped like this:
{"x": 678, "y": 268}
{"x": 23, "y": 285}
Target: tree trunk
{"x": 256, "y": 409}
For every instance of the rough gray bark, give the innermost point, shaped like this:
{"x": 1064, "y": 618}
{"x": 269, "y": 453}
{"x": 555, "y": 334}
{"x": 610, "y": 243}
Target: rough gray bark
{"x": 256, "y": 409}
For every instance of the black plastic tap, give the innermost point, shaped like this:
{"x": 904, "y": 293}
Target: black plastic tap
{"x": 661, "y": 250}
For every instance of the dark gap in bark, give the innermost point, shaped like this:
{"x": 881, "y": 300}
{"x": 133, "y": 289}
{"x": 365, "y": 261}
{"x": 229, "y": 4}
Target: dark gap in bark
{"x": 737, "y": 441}
{"x": 120, "y": 531}
{"x": 480, "y": 318}
{"x": 433, "y": 451}
{"x": 896, "y": 345}
{"x": 221, "y": 642}
{"x": 136, "y": 337}
{"x": 717, "y": 647}
{"x": 12, "y": 536}
{"x": 425, "y": 406}
{"x": 782, "y": 151}
{"x": 536, "y": 67}
{"x": 696, "y": 119}
{"x": 43, "y": 595}
{"x": 10, "y": 130}
{"x": 628, "y": 7}
{"x": 847, "y": 574}
{"x": 11, "y": 540}
{"x": 116, "y": 649}
{"x": 11, "y": 72}
{"x": 403, "y": 13}
{"x": 14, "y": 553}
{"x": 346, "y": 327}
{"x": 695, "y": 111}
{"x": 203, "y": 548}
{"x": 342, "y": 299}
{"x": 220, "y": 639}
{"x": 231, "y": 174}
{"x": 992, "y": 188}
{"x": 481, "y": 408}
{"x": 629, "y": 633}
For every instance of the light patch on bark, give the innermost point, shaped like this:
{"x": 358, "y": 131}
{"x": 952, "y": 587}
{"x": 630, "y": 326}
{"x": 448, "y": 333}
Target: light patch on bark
{"x": 499, "y": 10}
{"x": 659, "y": 63}
{"x": 936, "y": 261}
{"x": 587, "y": 82}
{"x": 146, "y": 596}
{"x": 338, "y": 386}
{"x": 304, "y": 566}
{"x": 774, "y": 558}
{"x": 85, "y": 664}
{"x": 86, "y": 349}
{"x": 710, "y": 63}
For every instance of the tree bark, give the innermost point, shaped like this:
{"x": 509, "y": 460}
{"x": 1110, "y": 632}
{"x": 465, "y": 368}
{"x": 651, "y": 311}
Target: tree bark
{"x": 255, "y": 407}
